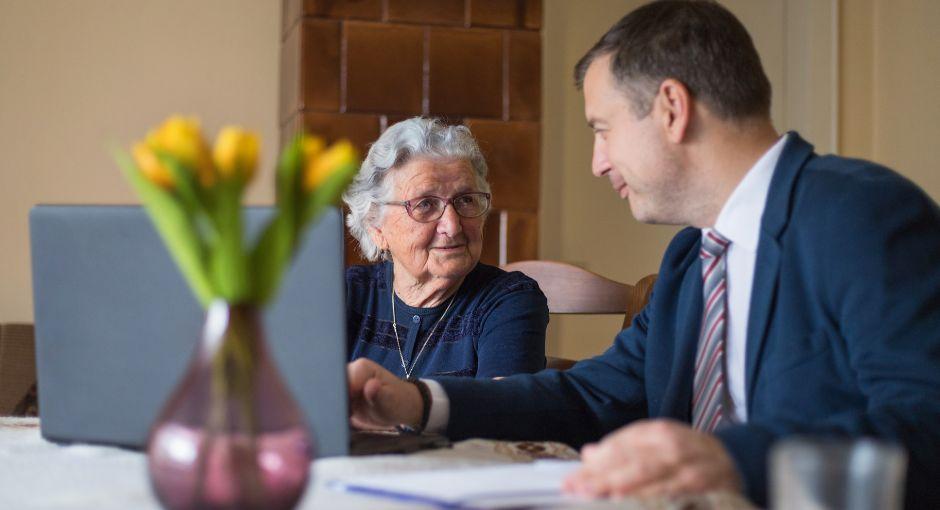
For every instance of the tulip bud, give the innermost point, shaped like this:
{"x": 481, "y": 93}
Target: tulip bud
{"x": 150, "y": 165}
{"x": 322, "y": 166}
{"x": 236, "y": 153}
{"x": 181, "y": 138}
{"x": 311, "y": 147}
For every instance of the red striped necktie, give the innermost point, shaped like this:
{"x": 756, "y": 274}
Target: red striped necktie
{"x": 708, "y": 398}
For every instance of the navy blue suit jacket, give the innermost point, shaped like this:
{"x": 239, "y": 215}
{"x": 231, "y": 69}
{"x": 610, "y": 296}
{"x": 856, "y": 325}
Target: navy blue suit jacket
{"x": 843, "y": 336}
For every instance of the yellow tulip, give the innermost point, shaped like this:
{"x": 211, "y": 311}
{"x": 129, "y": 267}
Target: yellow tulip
{"x": 318, "y": 168}
{"x": 182, "y": 138}
{"x": 151, "y": 167}
{"x": 311, "y": 146}
{"x": 236, "y": 153}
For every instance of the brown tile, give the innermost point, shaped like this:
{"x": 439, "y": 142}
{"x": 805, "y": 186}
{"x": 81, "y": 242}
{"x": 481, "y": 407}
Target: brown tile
{"x": 522, "y": 236}
{"x": 346, "y": 9}
{"x": 518, "y": 242}
{"x": 319, "y": 57}
{"x": 525, "y": 75}
{"x": 491, "y": 252}
{"x": 512, "y": 154}
{"x": 496, "y": 13}
{"x": 532, "y": 17}
{"x": 466, "y": 72}
{"x": 289, "y": 86}
{"x": 360, "y": 129}
{"x": 384, "y": 66}
{"x": 432, "y": 12}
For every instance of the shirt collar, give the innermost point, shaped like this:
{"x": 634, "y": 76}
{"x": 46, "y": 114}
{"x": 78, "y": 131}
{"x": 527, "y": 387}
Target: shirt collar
{"x": 739, "y": 219}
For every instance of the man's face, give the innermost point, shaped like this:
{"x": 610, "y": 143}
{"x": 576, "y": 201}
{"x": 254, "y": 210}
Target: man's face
{"x": 632, "y": 152}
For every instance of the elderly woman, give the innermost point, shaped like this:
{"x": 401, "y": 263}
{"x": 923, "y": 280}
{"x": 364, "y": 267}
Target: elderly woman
{"x": 430, "y": 307}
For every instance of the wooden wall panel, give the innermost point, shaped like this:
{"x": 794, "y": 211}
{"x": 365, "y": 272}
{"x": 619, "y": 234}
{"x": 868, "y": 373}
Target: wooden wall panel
{"x": 466, "y": 72}
{"x": 433, "y": 12}
{"x": 512, "y": 154}
{"x": 351, "y": 68}
{"x": 509, "y": 236}
{"x": 525, "y": 61}
{"x": 495, "y": 13}
{"x": 384, "y": 68}
{"x": 532, "y": 17}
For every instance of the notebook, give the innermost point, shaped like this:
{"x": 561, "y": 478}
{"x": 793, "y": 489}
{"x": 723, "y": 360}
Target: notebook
{"x": 529, "y": 485}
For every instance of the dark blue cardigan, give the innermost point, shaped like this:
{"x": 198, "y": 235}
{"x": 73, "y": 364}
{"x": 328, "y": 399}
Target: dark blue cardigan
{"x": 495, "y": 326}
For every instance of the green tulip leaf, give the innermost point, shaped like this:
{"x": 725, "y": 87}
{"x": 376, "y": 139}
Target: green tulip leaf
{"x": 228, "y": 264}
{"x": 276, "y": 245}
{"x": 174, "y": 225}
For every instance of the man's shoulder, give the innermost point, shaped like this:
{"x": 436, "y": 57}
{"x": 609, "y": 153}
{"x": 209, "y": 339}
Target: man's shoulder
{"x": 846, "y": 185}
{"x": 837, "y": 200}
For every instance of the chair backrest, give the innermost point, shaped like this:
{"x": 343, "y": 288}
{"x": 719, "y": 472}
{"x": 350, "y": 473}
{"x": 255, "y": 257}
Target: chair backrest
{"x": 574, "y": 290}
{"x": 17, "y": 368}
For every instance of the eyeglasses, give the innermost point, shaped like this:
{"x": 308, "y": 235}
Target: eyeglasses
{"x": 431, "y": 208}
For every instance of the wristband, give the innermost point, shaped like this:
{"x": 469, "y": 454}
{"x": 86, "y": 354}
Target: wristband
{"x": 425, "y": 407}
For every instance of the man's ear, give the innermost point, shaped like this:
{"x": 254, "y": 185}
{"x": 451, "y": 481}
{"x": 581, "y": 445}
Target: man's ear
{"x": 674, "y": 103}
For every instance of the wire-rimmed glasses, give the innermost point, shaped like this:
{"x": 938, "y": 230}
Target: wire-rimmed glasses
{"x": 430, "y": 208}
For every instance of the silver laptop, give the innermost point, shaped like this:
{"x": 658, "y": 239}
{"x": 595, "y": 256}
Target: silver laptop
{"x": 116, "y": 325}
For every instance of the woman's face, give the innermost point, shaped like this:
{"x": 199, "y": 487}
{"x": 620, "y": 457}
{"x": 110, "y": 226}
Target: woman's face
{"x": 447, "y": 248}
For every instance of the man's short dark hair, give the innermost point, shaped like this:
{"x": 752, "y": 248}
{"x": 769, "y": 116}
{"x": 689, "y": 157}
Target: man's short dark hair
{"x": 699, "y": 43}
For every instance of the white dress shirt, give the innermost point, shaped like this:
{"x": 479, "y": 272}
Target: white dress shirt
{"x": 739, "y": 221}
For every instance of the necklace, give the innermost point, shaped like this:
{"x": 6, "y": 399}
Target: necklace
{"x": 401, "y": 353}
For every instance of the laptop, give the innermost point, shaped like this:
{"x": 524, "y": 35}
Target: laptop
{"x": 116, "y": 325}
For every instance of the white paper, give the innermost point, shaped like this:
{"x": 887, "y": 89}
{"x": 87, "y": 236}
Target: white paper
{"x": 537, "y": 483}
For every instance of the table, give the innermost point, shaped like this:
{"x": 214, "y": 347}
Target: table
{"x": 37, "y": 474}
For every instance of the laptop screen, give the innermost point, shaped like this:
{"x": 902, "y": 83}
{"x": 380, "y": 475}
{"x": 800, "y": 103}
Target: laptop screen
{"x": 116, "y": 324}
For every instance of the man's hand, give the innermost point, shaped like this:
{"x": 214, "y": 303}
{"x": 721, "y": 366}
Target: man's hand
{"x": 380, "y": 400}
{"x": 654, "y": 457}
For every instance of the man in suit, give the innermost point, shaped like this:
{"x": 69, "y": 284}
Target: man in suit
{"x": 803, "y": 298}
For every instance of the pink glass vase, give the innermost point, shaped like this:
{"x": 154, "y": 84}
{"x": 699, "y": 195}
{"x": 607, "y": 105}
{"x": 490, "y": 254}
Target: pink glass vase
{"x": 230, "y": 435}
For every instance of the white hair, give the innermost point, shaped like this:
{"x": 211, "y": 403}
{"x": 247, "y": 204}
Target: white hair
{"x": 415, "y": 138}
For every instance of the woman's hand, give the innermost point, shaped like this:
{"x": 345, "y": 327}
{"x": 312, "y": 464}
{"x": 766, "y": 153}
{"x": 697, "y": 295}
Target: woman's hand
{"x": 380, "y": 400}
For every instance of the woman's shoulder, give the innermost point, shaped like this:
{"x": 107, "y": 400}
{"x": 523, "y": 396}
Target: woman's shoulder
{"x": 366, "y": 276}
{"x": 508, "y": 294}
{"x": 496, "y": 279}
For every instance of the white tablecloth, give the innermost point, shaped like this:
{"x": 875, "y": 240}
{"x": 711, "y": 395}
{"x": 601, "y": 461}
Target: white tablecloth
{"x": 37, "y": 474}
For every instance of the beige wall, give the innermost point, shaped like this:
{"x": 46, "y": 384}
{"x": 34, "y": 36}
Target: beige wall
{"x": 76, "y": 77}
{"x": 890, "y": 76}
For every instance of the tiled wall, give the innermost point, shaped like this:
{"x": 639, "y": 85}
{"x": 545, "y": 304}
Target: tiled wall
{"x": 351, "y": 68}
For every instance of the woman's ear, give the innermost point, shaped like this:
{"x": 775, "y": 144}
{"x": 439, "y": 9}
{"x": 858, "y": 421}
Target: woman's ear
{"x": 378, "y": 238}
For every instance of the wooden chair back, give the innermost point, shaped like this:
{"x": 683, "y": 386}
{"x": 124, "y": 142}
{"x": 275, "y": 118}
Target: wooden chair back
{"x": 574, "y": 290}
{"x": 17, "y": 370}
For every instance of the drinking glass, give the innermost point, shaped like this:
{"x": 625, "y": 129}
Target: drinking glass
{"x": 836, "y": 474}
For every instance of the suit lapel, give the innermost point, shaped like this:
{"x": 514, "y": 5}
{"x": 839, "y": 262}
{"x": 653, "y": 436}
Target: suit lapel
{"x": 678, "y": 395}
{"x": 767, "y": 266}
